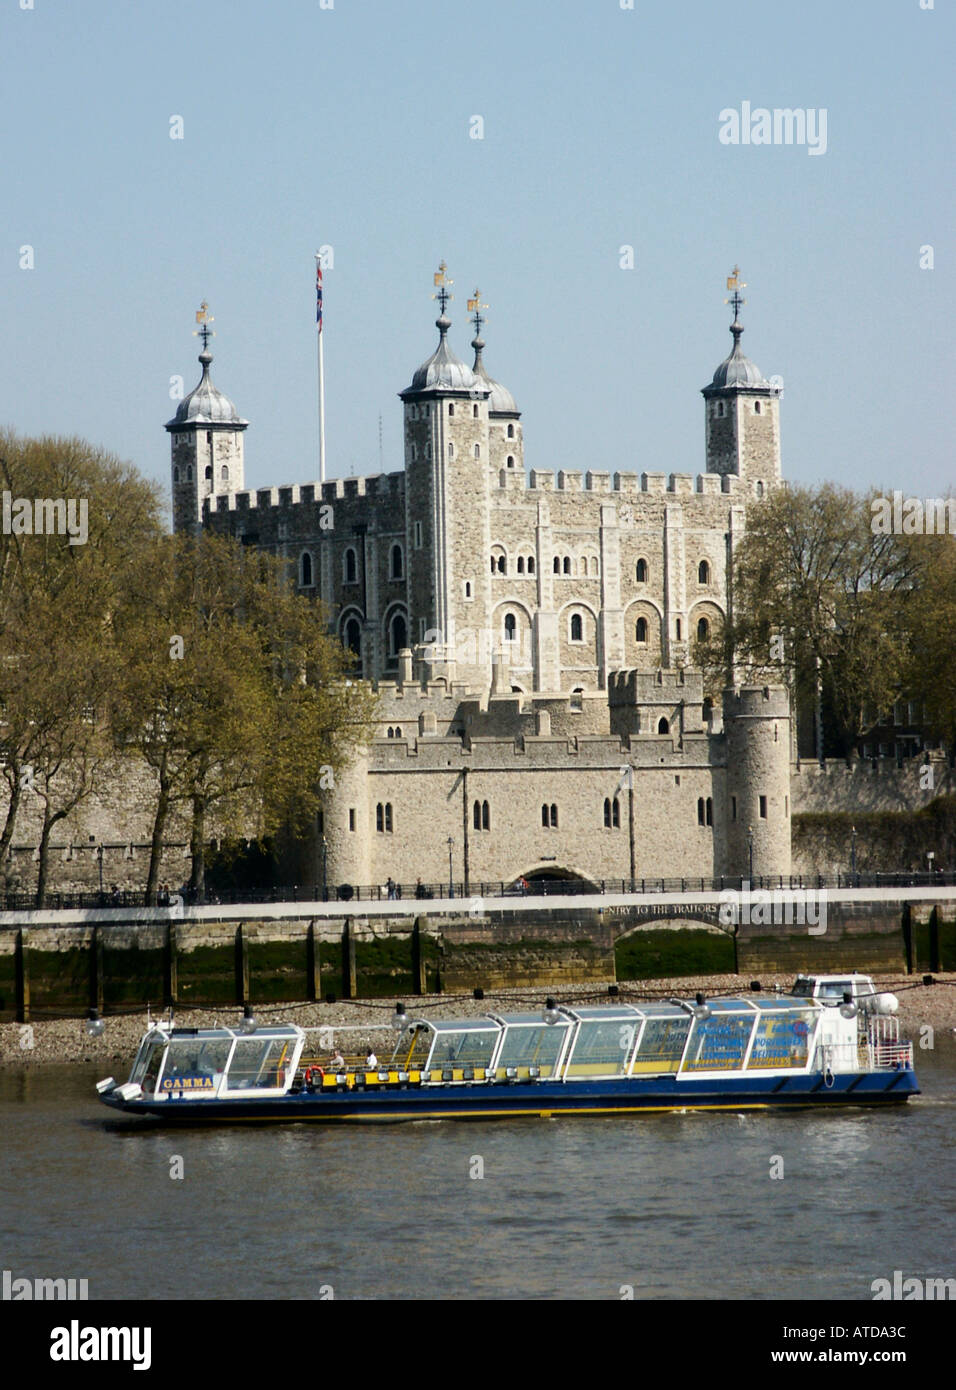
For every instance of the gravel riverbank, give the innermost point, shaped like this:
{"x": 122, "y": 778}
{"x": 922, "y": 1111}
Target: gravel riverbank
{"x": 54, "y": 1041}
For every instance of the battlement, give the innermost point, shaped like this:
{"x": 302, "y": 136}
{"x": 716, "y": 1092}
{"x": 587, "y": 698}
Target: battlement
{"x": 757, "y": 702}
{"x": 654, "y": 687}
{"x": 386, "y": 486}
{"x": 628, "y": 484}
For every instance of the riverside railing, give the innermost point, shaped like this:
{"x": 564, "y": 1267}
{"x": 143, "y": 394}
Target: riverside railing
{"x": 480, "y": 889}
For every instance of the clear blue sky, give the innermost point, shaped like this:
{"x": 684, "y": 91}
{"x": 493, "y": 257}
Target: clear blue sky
{"x": 350, "y": 126}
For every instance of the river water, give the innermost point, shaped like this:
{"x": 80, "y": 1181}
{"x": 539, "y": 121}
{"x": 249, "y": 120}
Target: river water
{"x": 671, "y": 1206}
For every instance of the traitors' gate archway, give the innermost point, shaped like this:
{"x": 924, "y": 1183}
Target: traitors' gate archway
{"x": 553, "y": 878}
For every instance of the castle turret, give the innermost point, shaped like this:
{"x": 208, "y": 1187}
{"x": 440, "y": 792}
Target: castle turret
{"x": 742, "y": 414}
{"x": 206, "y": 442}
{"x": 348, "y": 825}
{"x": 447, "y": 507}
{"x": 757, "y": 725}
{"x": 506, "y": 446}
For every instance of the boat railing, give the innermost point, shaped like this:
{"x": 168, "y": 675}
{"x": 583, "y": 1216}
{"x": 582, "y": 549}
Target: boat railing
{"x": 890, "y": 1056}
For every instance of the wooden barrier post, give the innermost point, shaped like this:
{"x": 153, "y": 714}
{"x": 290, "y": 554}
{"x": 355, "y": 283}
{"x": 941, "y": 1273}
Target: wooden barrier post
{"x": 419, "y": 976}
{"x": 313, "y": 965}
{"x": 909, "y": 951}
{"x": 349, "y": 974}
{"x": 171, "y": 966}
{"x": 22, "y": 969}
{"x": 96, "y": 969}
{"x": 934, "y": 939}
{"x": 242, "y": 967}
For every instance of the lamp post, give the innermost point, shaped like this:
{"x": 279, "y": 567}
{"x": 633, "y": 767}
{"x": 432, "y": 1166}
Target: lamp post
{"x": 853, "y": 850}
{"x": 99, "y": 855}
{"x": 750, "y": 836}
{"x": 325, "y": 872}
{"x": 451, "y": 871}
{"x": 930, "y": 856}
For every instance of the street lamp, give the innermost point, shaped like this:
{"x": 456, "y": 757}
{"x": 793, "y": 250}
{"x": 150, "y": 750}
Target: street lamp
{"x": 853, "y": 850}
{"x": 451, "y": 871}
{"x": 325, "y": 874}
{"x": 930, "y": 856}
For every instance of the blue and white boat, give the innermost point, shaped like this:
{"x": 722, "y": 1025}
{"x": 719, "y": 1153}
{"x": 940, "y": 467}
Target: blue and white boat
{"x": 833, "y": 1042}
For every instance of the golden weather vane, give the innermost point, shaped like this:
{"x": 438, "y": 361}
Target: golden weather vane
{"x": 442, "y": 282}
{"x": 735, "y": 283}
{"x": 475, "y": 307}
{"x": 204, "y": 317}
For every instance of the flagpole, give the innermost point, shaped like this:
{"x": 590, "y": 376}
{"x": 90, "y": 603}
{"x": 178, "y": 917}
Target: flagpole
{"x": 318, "y": 274}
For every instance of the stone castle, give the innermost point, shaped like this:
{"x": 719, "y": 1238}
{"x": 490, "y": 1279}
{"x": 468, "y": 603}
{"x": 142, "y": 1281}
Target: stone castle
{"x": 530, "y": 636}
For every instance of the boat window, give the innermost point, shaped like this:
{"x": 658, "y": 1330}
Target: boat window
{"x": 719, "y": 1043}
{"x": 259, "y": 1064}
{"x": 468, "y": 1049}
{"x": 532, "y": 1047}
{"x": 146, "y": 1067}
{"x": 835, "y": 989}
{"x": 662, "y": 1044}
{"x": 412, "y": 1049}
{"x": 803, "y": 987}
{"x": 603, "y": 1048}
{"x": 782, "y": 1040}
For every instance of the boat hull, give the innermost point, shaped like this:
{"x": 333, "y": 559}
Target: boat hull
{"x": 545, "y": 1099}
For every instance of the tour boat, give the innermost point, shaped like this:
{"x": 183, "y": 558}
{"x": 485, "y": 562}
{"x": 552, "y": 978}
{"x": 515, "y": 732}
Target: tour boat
{"x": 835, "y": 1041}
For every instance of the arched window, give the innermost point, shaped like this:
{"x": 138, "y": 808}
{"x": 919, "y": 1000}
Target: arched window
{"x": 451, "y": 449}
{"x": 756, "y": 407}
{"x": 224, "y": 474}
{"x": 640, "y": 631}
{"x": 511, "y": 627}
{"x": 451, "y": 407}
{"x": 493, "y": 564}
{"x": 352, "y": 636}
{"x": 350, "y": 566}
{"x": 612, "y": 813}
{"x": 700, "y": 810}
{"x": 397, "y": 635}
{"x": 189, "y": 473}
{"x": 398, "y": 730}
{"x": 467, "y": 588}
{"x": 709, "y": 808}
{"x": 759, "y": 489}
{"x": 474, "y": 412}
{"x": 485, "y": 816}
{"x": 549, "y": 816}
{"x": 719, "y": 409}
{"x": 476, "y": 815}
{"x": 502, "y": 565}
{"x": 477, "y": 451}
{"x": 642, "y": 571}
{"x": 521, "y": 564}
{"x": 703, "y": 629}
{"x": 396, "y": 562}
{"x": 305, "y": 570}
{"x": 567, "y": 564}
{"x": 511, "y": 431}
{"x": 677, "y": 629}
{"x": 209, "y": 471}
{"x": 663, "y": 727}
{"x": 383, "y": 817}
{"x": 511, "y": 461}
{"x": 176, "y": 474}
{"x": 703, "y": 572}
{"x": 390, "y": 732}
{"x": 577, "y": 628}
{"x": 607, "y": 811}
{"x": 557, "y": 564}
{"x": 531, "y": 564}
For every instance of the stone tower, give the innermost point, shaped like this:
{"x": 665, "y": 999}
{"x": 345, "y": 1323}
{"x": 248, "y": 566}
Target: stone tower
{"x": 448, "y": 529}
{"x": 757, "y": 726}
{"x": 742, "y": 415}
{"x": 206, "y": 443}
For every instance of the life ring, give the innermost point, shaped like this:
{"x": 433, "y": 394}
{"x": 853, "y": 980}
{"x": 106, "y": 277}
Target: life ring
{"x": 312, "y": 1073}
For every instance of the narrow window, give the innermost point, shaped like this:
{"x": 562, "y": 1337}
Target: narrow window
{"x": 577, "y": 628}
{"x": 511, "y": 431}
{"x": 554, "y": 816}
{"x": 224, "y": 474}
{"x": 616, "y": 814}
{"x": 640, "y": 631}
{"x": 351, "y": 566}
{"x": 451, "y": 449}
{"x": 176, "y": 475}
{"x": 759, "y": 489}
{"x": 521, "y": 564}
{"x": 418, "y": 535}
{"x": 388, "y": 815}
{"x": 477, "y": 451}
{"x": 511, "y": 461}
{"x": 663, "y": 727}
{"x": 567, "y": 564}
{"x": 397, "y": 567}
{"x": 474, "y": 412}
{"x": 467, "y": 588}
{"x": 544, "y": 817}
{"x": 677, "y": 634}
{"x": 607, "y": 811}
{"x": 709, "y": 806}
{"x": 763, "y": 808}
{"x": 703, "y": 572}
{"x": 189, "y": 474}
{"x": 756, "y": 407}
{"x": 642, "y": 571}
{"x": 501, "y": 565}
{"x": 485, "y": 816}
{"x": 531, "y": 564}
{"x": 351, "y": 817}
{"x": 733, "y": 808}
{"x": 557, "y": 565}
{"x": 390, "y": 732}
{"x": 209, "y": 438}
{"x": 700, "y": 810}
{"x": 209, "y": 470}
{"x": 306, "y": 569}
{"x": 510, "y": 627}
{"x": 703, "y": 630}
{"x": 476, "y": 815}
{"x": 380, "y": 817}
{"x": 451, "y": 407}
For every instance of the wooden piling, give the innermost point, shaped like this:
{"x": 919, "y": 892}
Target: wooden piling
{"x": 22, "y": 969}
